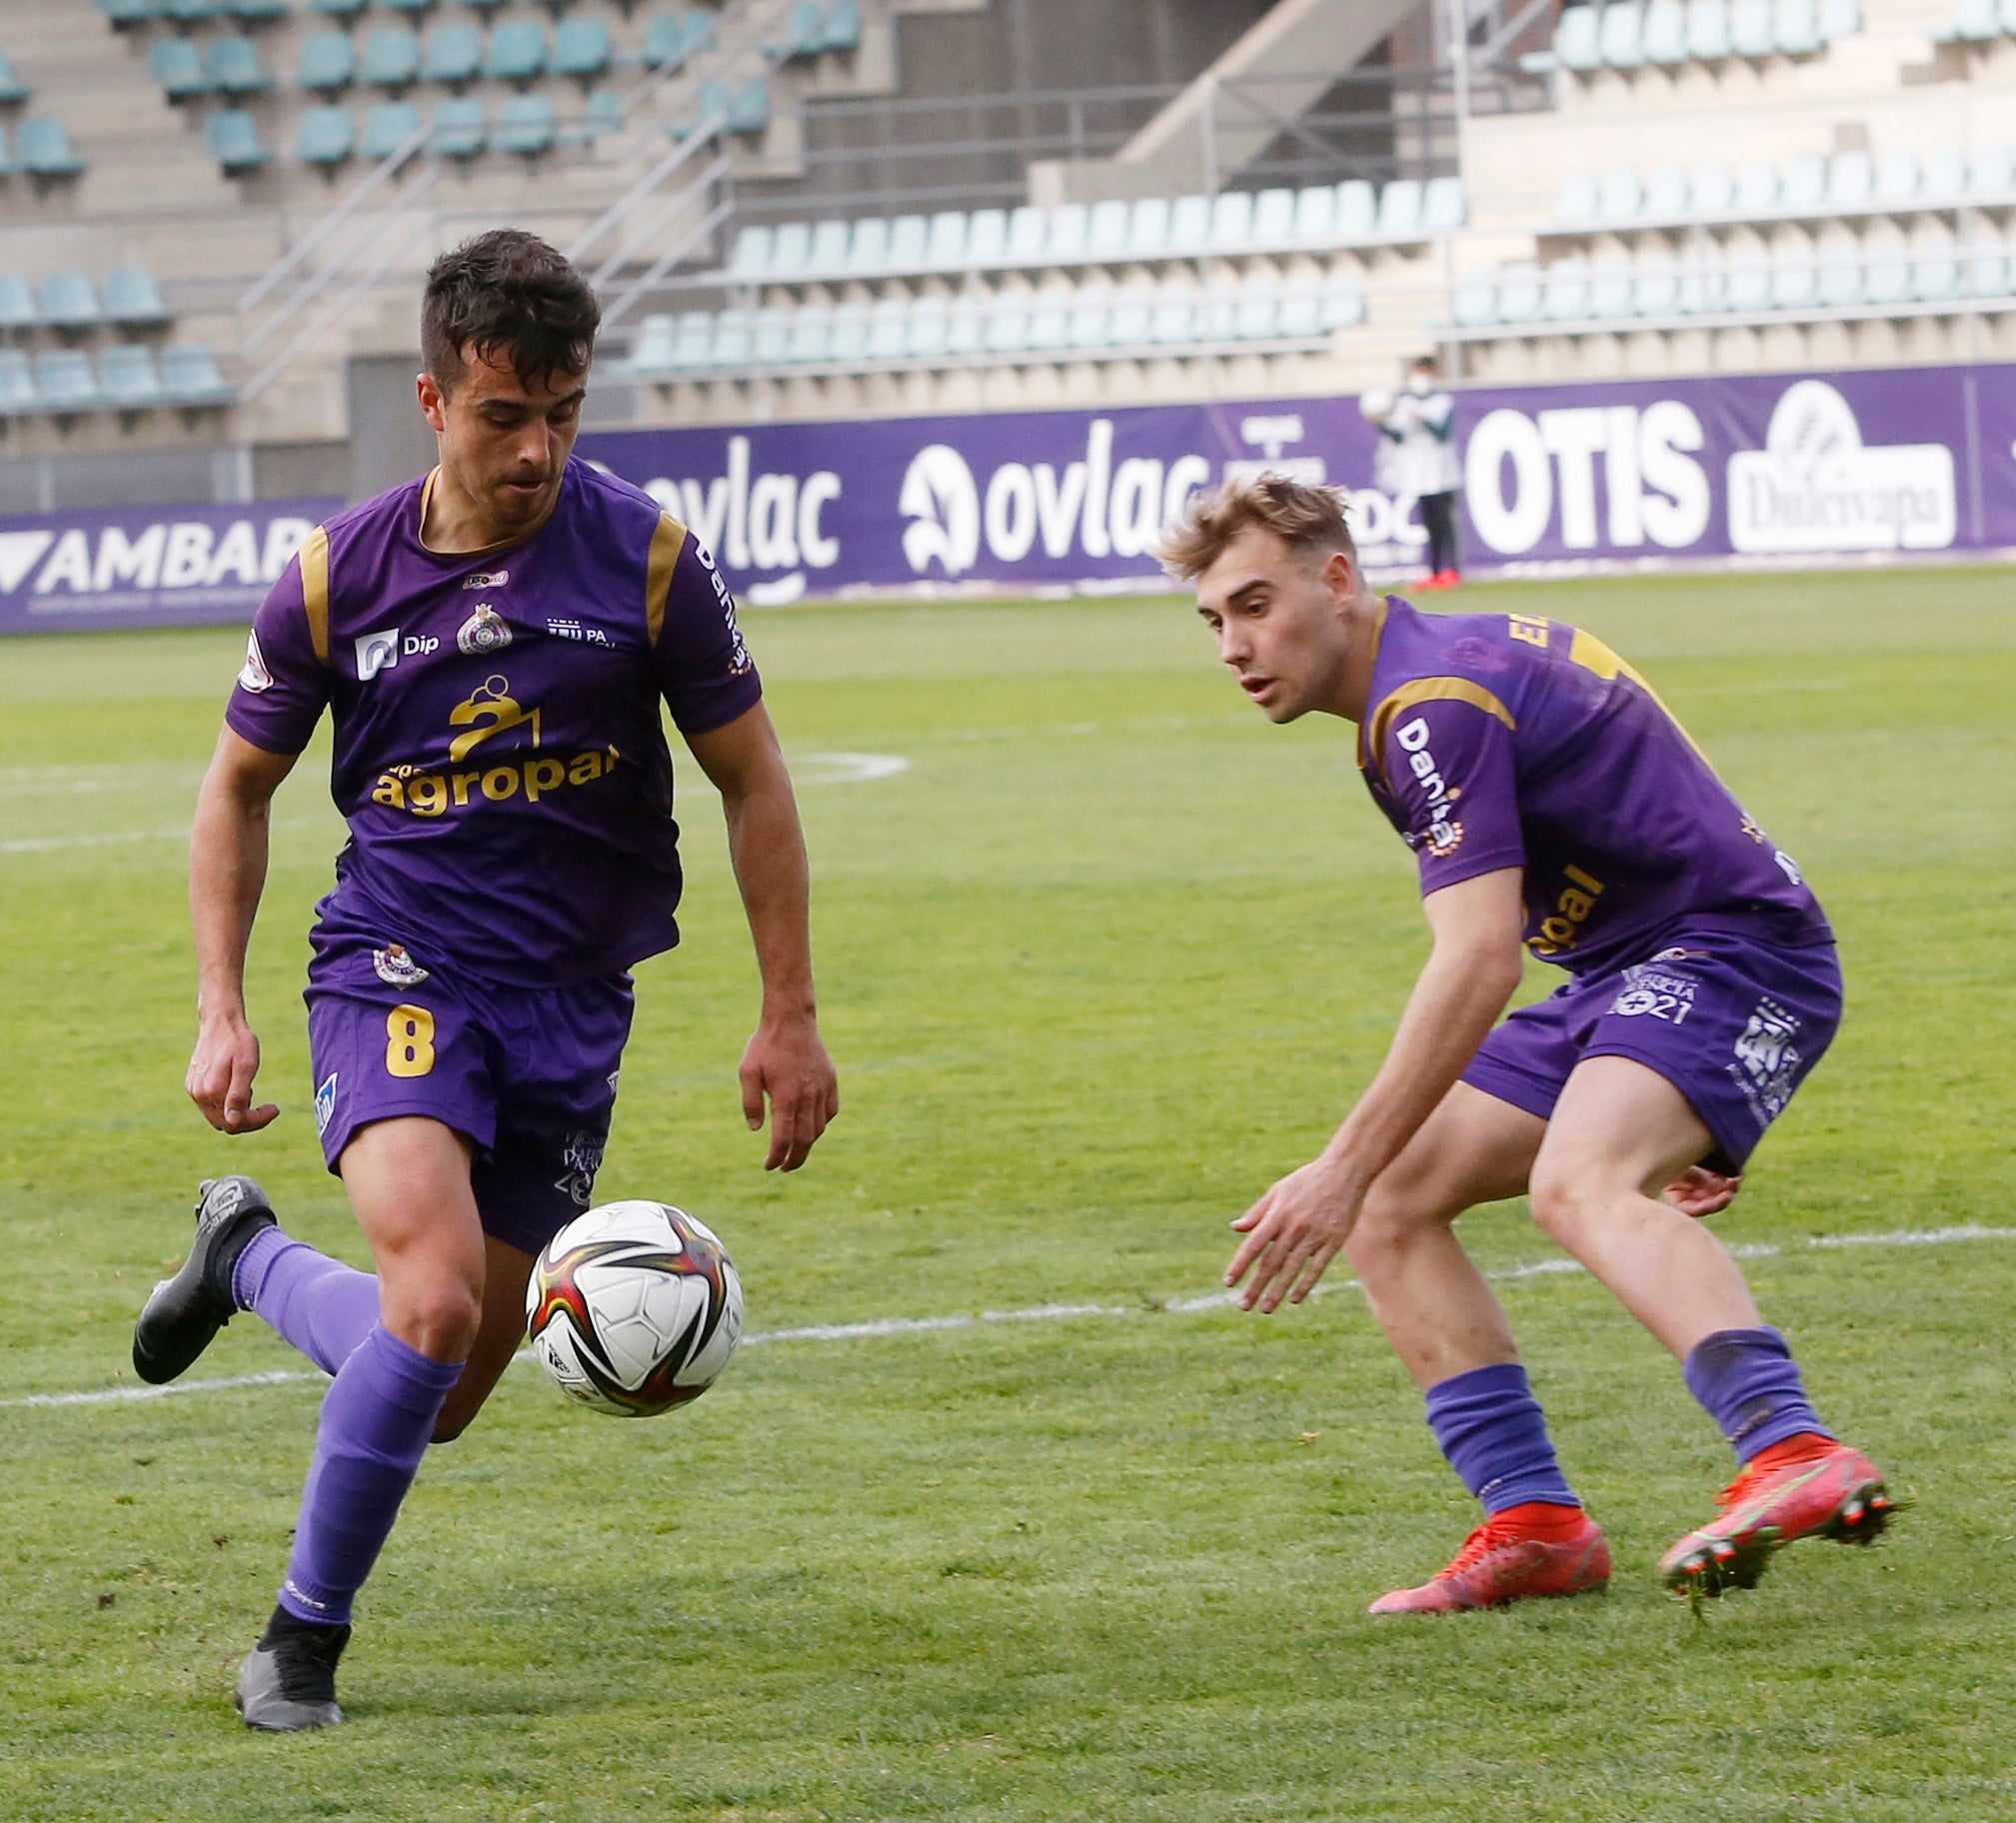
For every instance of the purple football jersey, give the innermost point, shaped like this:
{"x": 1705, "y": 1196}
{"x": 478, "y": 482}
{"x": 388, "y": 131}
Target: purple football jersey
{"x": 1509, "y": 740}
{"x": 500, "y": 755}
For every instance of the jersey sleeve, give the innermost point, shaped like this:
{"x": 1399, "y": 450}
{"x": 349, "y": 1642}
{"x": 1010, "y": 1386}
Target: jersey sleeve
{"x": 699, "y": 658}
{"x": 284, "y": 686}
{"x": 1448, "y": 770}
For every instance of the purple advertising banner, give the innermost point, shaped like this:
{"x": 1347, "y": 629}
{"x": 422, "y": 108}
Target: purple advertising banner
{"x": 1896, "y": 462}
{"x": 147, "y": 566}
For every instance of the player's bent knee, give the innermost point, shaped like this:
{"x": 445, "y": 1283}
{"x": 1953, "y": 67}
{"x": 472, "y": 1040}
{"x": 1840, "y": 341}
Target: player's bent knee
{"x": 1565, "y": 1202}
{"x": 440, "y": 1321}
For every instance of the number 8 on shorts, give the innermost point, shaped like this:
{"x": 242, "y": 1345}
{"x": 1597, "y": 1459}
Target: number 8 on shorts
{"x": 409, "y": 1047}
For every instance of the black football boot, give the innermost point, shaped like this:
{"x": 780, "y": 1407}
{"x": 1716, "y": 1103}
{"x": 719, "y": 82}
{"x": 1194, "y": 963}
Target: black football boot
{"x": 182, "y": 1313}
{"x": 289, "y": 1679}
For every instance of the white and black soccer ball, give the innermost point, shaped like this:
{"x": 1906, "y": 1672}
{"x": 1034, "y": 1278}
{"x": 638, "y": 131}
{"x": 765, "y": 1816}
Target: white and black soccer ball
{"x": 1376, "y": 405}
{"x": 633, "y": 1309}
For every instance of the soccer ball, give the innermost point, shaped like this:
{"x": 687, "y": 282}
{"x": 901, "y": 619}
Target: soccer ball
{"x": 1376, "y": 405}
{"x": 633, "y": 1309}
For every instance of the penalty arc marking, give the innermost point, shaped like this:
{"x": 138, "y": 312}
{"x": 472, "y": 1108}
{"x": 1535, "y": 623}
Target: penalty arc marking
{"x": 1042, "y": 1313}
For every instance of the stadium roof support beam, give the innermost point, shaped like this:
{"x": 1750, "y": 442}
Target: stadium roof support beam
{"x": 1293, "y": 54}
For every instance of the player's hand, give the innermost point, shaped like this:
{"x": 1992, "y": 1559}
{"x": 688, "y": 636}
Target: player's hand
{"x": 1699, "y": 1192}
{"x": 221, "y": 1072}
{"x": 1293, "y": 1233}
{"x": 786, "y": 1061}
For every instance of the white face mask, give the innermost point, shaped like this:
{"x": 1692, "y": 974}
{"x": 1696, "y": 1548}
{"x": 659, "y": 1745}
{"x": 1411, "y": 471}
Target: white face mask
{"x": 1421, "y": 384}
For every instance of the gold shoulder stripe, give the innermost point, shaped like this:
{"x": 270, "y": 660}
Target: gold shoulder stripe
{"x": 315, "y": 588}
{"x": 1427, "y": 690}
{"x": 667, "y": 541}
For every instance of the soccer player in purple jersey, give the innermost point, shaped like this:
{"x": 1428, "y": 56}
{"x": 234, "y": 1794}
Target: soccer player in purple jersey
{"x": 493, "y": 645}
{"x": 1546, "y": 792}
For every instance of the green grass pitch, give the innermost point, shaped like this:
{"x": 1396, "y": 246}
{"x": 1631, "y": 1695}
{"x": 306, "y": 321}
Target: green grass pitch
{"x": 1109, "y": 954}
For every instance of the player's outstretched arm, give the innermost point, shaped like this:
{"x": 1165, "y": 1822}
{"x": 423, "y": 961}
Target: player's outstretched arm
{"x": 785, "y": 1059}
{"x": 1296, "y": 1231}
{"x": 227, "y": 870}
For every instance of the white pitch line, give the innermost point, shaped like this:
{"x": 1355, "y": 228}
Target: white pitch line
{"x": 1043, "y": 1313}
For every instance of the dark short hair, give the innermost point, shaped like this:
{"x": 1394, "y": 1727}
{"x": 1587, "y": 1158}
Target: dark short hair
{"x": 506, "y": 293}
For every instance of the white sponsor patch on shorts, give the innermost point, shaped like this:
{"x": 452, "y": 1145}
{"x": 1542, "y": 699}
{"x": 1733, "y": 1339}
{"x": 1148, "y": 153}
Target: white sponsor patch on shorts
{"x": 324, "y": 1104}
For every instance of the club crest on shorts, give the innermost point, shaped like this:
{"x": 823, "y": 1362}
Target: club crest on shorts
{"x": 580, "y": 1162}
{"x": 396, "y": 968}
{"x": 485, "y": 631}
{"x": 325, "y": 1103}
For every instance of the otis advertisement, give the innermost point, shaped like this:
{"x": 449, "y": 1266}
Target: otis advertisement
{"x": 148, "y": 565}
{"x": 1894, "y": 461}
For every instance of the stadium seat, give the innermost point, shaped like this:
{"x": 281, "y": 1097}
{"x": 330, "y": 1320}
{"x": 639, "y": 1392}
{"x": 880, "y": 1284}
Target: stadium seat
{"x": 828, "y": 246}
{"x": 1839, "y": 280}
{"x": 1794, "y": 282}
{"x": 1576, "y": 199}
{"x": 987, "y": 237}
{"x": 12, "y": 89}
{"x": 691, "y": 346}
{"x": 1991, "y": 173}
{"x": 670, "y": 39}
{"x": 889, "y": 329}
{"x": 1520, "y": 292}
{"x": 1936, "y": 275}
{"x": 1065, "y": 239}
{"x": 909, "y": 236}
{"x": 1757, "y": 186}
{"x": 582, "y": 49}
{"x": 43, "y": 147}
{"x": 257, "y": 12}
{"x": 751, "y": 257}
{"x": 1664, "y": 39}
{"x": 1750, "y": 29}
{"x": 1620, "y": 196}
{"x": 414, "y": 8}
{"x": 1443, "y": 205}
{"x": 233, "y": 67}
{"x": 1665, "y": 194}
{"x": 1175, "y": 317}
{"x": 1344, "y": 303}
{"x": 1851, "y": 175}
{"x": 340, "y": 9}
{"x": 1897, "y": 178}
{"x": 1258, "y": 316}
{"x": 64, "y": 381}
{"x": 1401, "y": 209}
{"x": 1048, "y": 329}
{"x": 1578, "y": 39}
{"x": 232, "y": 138}
{"x": 1189, "y": 224}
{"x": 1973, "y": 22}
{"x": 191, "y": 12}
{"x": 1610, "y": 287}
{"x": 1106, "y": 228}
{"x": 391, "y": 57}
{"x": 1231, "y": 228}
{"x": 846, "y": 338}
{"x": 791, "y": 249}
{"x": 1655, "y": 285}
{"x": 927, "y": 329}
{"x": 842, "y": 31}
{"x": 1748, "y": 281}
{"x": 1839, "y": 18}
{"x": 525, "y": 124}
{"x": 1944, "y": 176}
{"x": 189, "y": 375}
{"x": 1028, "y": 229}
{"x": 1989, "y": 269}
{"x": 325, "y": 137}
{"x": 454, "y": 55}
{"x": 460, "y": 128}
{"x": 70, "y": 301}
{"x": 1216, "y": 313}
{"x": 389, "y": 127}
{"x": 1474, "y": 303}
{"x": 749, "y": 107}
{"x": 327, "y": 63}
{"x": 177, "y": 65}
{"x": 7, "y": 164}
{"x": 1566, "y": 297}
{"x": 1806, "y": 183}
{"x": 811, "y": 335}
{"x": 734, "y": 339}
{"x": 122, "y": 13}
{"x": 133, "y": 300}
{"x": 18, "y": 308}
{"x": 17, "y": 384}
{"x": 1315, "y": 215}
{"x": 1795, "y": 28}
{"x": 866, "y": 247}
{"x": 946, "y": 248}
{"x": 1273, "y": 218}
{"x": 1708, "y": 30}
{"x": 517, "y": 51}
{"x": 1130, "y": 317}
{"x": 128, "y": 378}
{"x": 804, "y": 27}
{"x": 1619, "y": 41}
{"x": 769, "y": 336}
{"x": 1704, "y": 286}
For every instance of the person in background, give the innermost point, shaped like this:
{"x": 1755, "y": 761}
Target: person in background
{"x": 1421, "y": 457}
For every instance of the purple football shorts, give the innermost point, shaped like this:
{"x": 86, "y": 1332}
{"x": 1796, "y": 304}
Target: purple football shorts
{"x": 1732, "y": 1024}
{"x": 525, "y": 1074}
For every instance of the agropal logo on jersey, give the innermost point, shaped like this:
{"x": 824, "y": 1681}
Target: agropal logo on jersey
{"x": 489, "y": 718}
{"x": 1445, "y": 833}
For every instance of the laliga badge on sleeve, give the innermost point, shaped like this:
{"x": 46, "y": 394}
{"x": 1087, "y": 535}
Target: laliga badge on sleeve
{"x": 396, "y": 968}
{"x": 254, "y": 676}
{"x": 325, "y": 1103}
{"x": 485, "y": 631}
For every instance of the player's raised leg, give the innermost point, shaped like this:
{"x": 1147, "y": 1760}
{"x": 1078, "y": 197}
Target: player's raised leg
{"x": 1451, "y": 1334}
{"x": 1621, "y": 1131}
{"x": 409, "y": 1183}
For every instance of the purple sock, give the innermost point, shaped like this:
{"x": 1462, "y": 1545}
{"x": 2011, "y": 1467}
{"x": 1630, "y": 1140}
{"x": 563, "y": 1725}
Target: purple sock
{"x": 322, "y": 1307}
{"x": 376, "y": 1421}
{"x": 1750, "y": 1385}
{"x": 1495, "y": 1435}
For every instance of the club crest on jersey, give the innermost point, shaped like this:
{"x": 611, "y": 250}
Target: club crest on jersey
{"x": 485, "y": 631}
{"x": 325, "y": 1103}
{"x": 376, "y": 651}
{"x": 394, "y": 967}
{"x": 254, "y": 675}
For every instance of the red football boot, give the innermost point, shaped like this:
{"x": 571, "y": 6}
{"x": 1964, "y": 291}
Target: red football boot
{"x": 1509, "y": 1559}
{"x": 1805, "y": 1486}
{"x": 1447, "y": 579}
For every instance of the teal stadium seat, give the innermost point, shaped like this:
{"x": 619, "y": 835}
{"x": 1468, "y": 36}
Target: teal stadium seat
{"x": 389, "y": 127}
{"x": 191, "y": 12}
{"x": 1664, "y": 39}
{"x": 328, "y": 65}
{"x": 42, "y": 146}
{"x": 1619, "y": 38}
{"x": 13, "y": 90}
{"x": 517, "y": 51}
{"x": 670, "y": 39}
{"x": 1050, "y": 320}
{"x": 1936, "y": 276}
{"x": 1886, "y": 275}
{"x": 18, "y": 308}
{"x": 525, "y": 124}
{"x": 987, "y": 237}
{"x": 1130, "y": 316}
{"x": 946, "y": 248}
{"x": 1751, "y": 32}
{"x": 1806, "y": 183}
{"x": 391, "y": 57}
{"x": 1708, "y": 30}
{"x": 1357, "y": 211}
{"x": 177, "y": 65}
{"x": 189, "y": 375}
{"x": 234, "y": 69}
{"x": 1301, "y": 314}
{"x": 582, "y": 49}
{"x": 1258, "y": 314}
{"x": 133, "y": 299}
{"x": 64, "y": 381}
{"x": 257, "y": 12}
{"x": 734, "y": 339}
{"x": 842, "y": 31}
{"x": 1703, "y": 286}
{"x": 411, "y": 8}
{"x": 1973, "y": 22}
{"x": 1027, "y": 232}
{"x": 749, "y": 109}
{"x": 1231, "y": 221}
{"x": 454, "y": 54}
{"x": 325, "y": 137}
{"x": 461, "y": 127}
{"x": 128, "y": 378}
{"x": 654, "y": 352}
{"x": 1344, "y": 303}
{"x": 17, "y": 384}
{"x": 1795, "y": 28}
{"x": 791, "y": 249}
{"x": 1273, "y": 218}
{"x": 232, "y": 139}
{"x": 123, "y": 13}
{"x": 604, "y": 113}
{"x": 340, "y": 9}
{"x": 804, "y": 28}
{"x": 70, "y": 301}
{"x": 693, "y": 341}
{"x": 7, "y": 164}
{"x": 1578, "y": 39}
{"x": 1187, "y": 225}
{"x": 715, "y": 102}
{"x": 1748, "y": 282}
